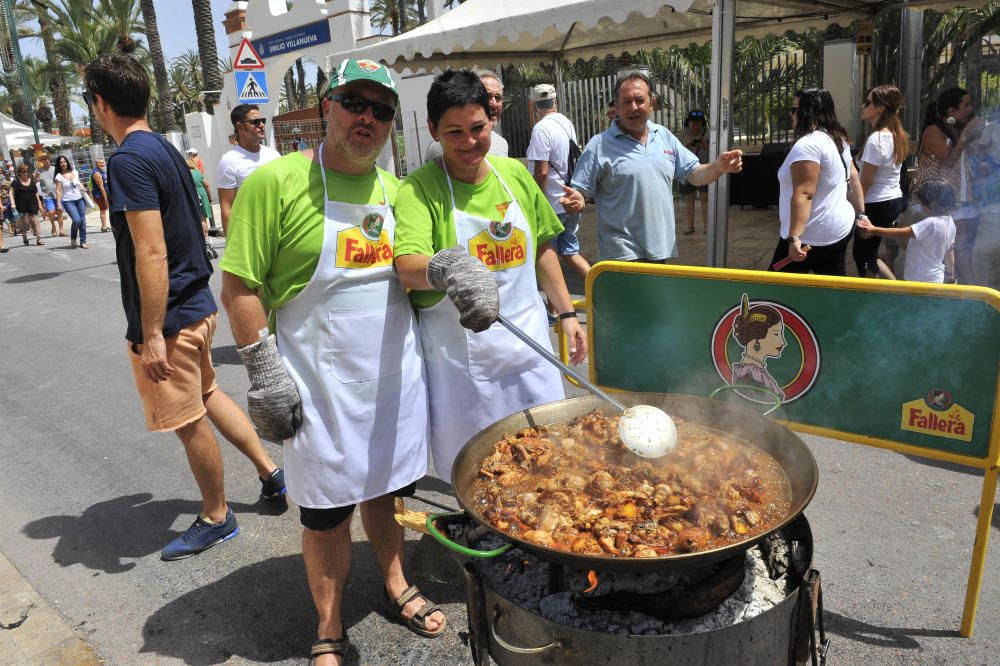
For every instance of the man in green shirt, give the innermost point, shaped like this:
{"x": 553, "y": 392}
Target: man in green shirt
{"x": 336, "y": 374}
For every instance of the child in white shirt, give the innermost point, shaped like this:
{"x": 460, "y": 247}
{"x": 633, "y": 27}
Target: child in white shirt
{"x": 930, "y": 254}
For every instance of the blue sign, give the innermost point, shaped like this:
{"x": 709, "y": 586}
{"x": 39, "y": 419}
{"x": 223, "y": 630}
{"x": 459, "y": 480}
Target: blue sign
{"x": 301, "y": 37}
{"x": 251, "y": 87}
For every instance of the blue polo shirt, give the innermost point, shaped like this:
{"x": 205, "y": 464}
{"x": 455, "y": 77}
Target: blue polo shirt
{"x": 632, "y": 184}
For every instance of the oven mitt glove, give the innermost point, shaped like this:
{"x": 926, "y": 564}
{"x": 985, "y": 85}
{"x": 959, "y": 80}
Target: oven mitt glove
{"x": 273, "y": 402}
{"x": 469, "y": 285}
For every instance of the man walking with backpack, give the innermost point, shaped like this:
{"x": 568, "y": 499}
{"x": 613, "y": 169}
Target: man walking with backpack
{"x": 553, "y": 149}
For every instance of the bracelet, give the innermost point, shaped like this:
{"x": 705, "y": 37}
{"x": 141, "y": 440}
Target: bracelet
{"x": 858, "y": 216}
{"x": 568, "y": 315}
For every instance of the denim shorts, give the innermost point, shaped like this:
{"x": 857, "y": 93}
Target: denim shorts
{"x": 50, "y": 204}
{"x": 567, "y": 243}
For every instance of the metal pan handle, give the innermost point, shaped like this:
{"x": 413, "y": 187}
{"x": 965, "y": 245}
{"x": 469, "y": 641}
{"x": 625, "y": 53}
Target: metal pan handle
{"x": 513, "y": 648}
{"x": 458, "y": 548}
{"x": 760, "y": 389}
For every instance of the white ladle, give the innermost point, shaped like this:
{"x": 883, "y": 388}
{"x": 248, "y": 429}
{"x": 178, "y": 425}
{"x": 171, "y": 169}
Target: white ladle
{"x": 646, "y": 431}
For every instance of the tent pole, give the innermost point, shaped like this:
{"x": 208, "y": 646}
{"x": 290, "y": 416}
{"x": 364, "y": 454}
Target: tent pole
{"x": 557, "y": 65}
{"x": 723, "y": 47}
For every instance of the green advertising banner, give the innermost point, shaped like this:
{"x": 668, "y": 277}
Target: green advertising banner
{"x": 903, "y": 362}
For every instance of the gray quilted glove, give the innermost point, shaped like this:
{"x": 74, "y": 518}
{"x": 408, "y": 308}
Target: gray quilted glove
{"x": 273, "y": 402}
{"x": 469, "y": 285}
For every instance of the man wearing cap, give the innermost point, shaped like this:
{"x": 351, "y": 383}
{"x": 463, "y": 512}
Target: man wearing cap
{"x": 549, "y": 151}
{"x": 298, "y": 143}
{"x": 336, "y": 372}
{"x": 192, "y": 153}
{"x": 629, "y": 168}
{"x": 498, "y": 144}
{"x": 248, "y": 153}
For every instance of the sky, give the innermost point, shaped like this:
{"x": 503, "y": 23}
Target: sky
{"x": 175, "y": 20}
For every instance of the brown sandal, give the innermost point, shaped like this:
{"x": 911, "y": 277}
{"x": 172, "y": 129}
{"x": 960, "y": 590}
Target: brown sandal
{"x": 328, "y": 646}
{"x": 418, "y": 623}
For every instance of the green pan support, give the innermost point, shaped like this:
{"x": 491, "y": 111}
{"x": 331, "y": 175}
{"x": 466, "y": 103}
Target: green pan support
{"x": 458, "y": 548}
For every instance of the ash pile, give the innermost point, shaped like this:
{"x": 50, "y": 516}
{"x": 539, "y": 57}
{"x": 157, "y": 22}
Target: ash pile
{"x": 771, "y": 571}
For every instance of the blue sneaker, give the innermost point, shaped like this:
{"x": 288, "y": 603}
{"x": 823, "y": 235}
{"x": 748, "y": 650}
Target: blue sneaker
{"x": 272, "y": 489}
{"x": 200, "y": 537}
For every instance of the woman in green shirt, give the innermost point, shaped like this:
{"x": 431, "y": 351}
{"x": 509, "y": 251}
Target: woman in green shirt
{"x": 457, "y": 209}
{"x": 206, "y": 205}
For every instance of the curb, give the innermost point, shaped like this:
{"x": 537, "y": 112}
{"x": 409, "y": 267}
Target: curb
{"x": 31, "y": 630}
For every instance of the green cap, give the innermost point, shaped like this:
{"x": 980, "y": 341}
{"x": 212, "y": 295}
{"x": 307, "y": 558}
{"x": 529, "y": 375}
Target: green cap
{"x": 361, "y": 70}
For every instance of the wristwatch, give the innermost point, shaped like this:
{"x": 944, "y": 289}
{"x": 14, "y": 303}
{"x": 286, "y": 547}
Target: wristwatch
{"x": 794, "y": 239}
{"x": 858, "y": 216}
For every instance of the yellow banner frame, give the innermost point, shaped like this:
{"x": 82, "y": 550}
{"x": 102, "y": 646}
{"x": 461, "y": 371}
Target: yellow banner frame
{"x": 990, "y": 464}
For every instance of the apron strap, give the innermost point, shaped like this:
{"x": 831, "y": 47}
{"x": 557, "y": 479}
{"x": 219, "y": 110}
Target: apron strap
{"x": 451, "y": 190}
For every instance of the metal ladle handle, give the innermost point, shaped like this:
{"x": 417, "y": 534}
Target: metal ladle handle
{"x": 550, "y": 357}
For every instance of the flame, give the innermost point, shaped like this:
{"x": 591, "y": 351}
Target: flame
{"x": 592, "y": 577}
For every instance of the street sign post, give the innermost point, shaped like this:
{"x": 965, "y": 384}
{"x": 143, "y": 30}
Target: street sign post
{"x": 247, "y": 57}
{"x": 251, "y": 87}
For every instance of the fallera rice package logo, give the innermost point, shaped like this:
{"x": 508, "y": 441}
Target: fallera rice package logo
{"x": 371, "y": 226}
{"x": 500, "y": 230}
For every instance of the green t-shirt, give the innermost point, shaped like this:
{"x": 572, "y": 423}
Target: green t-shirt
{"x": 276, "y": 225}
{"x": 424, "y": 222}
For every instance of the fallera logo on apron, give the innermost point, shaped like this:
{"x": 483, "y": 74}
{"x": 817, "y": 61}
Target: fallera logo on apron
{"x": 357, "y": 249}
{"x": 500, "y": 246}
{"x": 371, "y": 226}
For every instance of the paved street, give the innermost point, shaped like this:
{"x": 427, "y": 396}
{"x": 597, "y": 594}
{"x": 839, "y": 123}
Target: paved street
{"x": 90, "y": 497}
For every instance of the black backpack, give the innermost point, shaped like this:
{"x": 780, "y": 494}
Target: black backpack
{"x": 574, "y": 154}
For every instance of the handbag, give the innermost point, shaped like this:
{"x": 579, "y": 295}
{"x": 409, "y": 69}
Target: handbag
{"x": 89, "y": 200}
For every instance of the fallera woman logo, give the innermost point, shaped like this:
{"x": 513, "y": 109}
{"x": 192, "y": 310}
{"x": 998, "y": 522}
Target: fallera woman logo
{"x": 766, "y": 344}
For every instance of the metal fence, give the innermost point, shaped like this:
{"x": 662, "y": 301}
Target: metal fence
{"x": 762, "y": 97}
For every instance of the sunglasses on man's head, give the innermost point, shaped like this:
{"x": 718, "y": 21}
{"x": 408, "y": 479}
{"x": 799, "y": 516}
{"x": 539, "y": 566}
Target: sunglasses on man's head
{"x": 358, "y": 105}
{"x": 696, "y": 114}
{"x": 256, "y": 122}
{"x": 88, "y": 98}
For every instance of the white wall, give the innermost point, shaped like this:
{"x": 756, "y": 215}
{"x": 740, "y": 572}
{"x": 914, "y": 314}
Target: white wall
{"x": 413, "y": 106}
{"x": 841, "y": 76}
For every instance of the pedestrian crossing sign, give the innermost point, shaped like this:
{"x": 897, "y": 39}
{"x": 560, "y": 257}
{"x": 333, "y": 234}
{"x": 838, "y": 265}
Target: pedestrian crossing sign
{"x": 251, "y": 87}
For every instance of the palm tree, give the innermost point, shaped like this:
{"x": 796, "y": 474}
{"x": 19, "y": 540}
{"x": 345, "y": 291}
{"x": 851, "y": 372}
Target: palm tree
{"x": 58, "y": 88}
{"x": 208, "y": 53}
{"x": 159, "y": 66}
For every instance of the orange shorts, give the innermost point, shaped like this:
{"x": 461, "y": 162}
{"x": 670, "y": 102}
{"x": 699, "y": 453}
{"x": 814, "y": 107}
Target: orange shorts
{"x": 179, "y": 400}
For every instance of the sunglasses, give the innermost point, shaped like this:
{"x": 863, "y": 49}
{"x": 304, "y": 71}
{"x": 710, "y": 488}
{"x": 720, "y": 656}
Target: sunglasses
{"x": 696, "y": 114}
{"x": 256, "y": 122}
{"x": 358, "y": 105}
{"x": 88, "y": 98}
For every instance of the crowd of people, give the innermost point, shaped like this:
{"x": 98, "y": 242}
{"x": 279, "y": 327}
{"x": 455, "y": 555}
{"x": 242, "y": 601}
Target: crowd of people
{"x": 365, "y": 309}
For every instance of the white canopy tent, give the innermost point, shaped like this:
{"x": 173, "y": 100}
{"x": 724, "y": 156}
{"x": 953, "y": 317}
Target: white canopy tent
{"x": 525, "y": 31}
{"x": 15, "y": 135}
{"x": 488, "y": 32}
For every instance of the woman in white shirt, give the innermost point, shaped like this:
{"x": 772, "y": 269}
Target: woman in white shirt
{"x": 69, "y": 197}
{"x": 884, "y": 153}
{"x": 819, "y": 190}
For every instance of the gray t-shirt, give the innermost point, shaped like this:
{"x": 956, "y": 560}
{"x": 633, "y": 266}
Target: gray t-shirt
{"x": 47, "y": 182}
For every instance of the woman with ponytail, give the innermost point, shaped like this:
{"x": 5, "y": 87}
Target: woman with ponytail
{"x": 819, "y": 190}
{"x": 884, "y": 153}
{"x": 949, "y": 128}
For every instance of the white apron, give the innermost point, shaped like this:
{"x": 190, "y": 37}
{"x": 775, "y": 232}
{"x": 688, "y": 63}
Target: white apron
{"x": 476, "y": 379}
{"x": 349, "y": 341}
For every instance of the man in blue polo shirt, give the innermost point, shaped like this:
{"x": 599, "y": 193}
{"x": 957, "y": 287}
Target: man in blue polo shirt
{"x": 156, "y": 219}
{"x": 629, "y": 170}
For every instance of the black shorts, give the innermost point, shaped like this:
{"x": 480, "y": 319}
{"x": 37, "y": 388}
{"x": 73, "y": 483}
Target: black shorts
{"x": 684, "y": 188}
{"x": 322, "y": 520}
